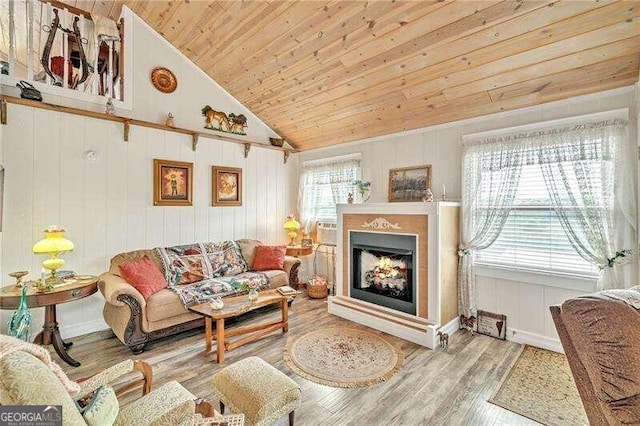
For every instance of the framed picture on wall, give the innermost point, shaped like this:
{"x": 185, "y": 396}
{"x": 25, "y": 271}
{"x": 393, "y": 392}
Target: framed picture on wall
{"x": 172, "y": 183}
{"x": 227, "y": 186}
{"x": 409, "y": 184}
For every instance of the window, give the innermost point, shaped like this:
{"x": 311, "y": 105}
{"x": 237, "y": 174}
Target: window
{"x": 325, "y": 183}
{"x": 557, "y": 198}
{"x": 533, "y": 238}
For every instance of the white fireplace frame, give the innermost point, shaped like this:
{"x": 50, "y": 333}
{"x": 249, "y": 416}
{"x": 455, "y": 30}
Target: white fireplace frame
{"x": 409, "y": 327}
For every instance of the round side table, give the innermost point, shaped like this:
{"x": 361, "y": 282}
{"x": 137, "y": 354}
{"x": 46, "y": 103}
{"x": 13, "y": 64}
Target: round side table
{"x": 72, "y": 289}
{"x": 297, "y": 251}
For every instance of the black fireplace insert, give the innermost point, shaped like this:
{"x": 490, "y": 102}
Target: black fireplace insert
{"x": 383, "y": 269}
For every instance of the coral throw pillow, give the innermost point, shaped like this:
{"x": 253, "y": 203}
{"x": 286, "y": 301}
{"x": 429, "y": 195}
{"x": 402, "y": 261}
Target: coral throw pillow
{"x": 144, "y": 275}
{"x": 268, "y": 258}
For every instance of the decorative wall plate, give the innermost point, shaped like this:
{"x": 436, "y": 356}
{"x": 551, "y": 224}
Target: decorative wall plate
{"x": 164, "y": 80}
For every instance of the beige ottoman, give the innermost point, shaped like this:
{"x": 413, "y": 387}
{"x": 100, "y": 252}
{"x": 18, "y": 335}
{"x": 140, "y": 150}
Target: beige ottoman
{"x": 257, "y": 390}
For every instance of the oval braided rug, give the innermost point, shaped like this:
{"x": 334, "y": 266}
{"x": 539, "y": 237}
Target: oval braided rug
{"x": 343, "y": 357}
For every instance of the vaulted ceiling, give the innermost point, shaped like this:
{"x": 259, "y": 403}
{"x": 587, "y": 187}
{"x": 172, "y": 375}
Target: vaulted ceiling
{"x": 326, "y": 72}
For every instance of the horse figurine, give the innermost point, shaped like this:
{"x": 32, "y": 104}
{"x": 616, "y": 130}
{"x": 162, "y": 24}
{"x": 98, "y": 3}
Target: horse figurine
{"x": 444, "y": 339}
{"x": 211, "y": 114}
{"x": 467, "y": 323}
{"x": 238, "y": 123}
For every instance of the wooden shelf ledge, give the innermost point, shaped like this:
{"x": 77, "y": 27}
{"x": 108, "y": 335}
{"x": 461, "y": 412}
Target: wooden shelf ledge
{"x": 127, "y": 122}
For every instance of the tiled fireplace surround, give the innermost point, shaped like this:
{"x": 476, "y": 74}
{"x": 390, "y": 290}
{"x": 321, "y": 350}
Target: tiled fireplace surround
{"x": 435, "y": 229}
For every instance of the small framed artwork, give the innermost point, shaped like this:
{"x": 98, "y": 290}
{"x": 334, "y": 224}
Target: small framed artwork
{"x": 172, "y": 183}
{"x": 494, "y": 325}
{"x": 227, "y": 186}
{"x": 409, "y": 183}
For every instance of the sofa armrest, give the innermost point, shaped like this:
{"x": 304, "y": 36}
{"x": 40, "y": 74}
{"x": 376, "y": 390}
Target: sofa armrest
{"x": 125, "y": 311}
{"x": 291, "y": 267}
{"x": 111, "y": 286}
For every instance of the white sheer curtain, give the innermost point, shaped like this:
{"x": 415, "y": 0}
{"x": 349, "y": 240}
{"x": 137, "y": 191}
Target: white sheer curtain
{"x": 590, "y": 175}
{"x": 325, "y": 184}
{"x": 491, "y": 173}
{"x": 590, "y": 178}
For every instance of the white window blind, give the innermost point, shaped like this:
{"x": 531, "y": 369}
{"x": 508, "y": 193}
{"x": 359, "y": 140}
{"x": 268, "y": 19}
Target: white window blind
{"x": 533, "y": 238}
{"x": 323, "y": 184}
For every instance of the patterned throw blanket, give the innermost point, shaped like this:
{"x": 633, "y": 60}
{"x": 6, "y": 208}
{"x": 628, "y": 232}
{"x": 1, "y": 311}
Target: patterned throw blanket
{"x": 199, "y": 272}
{"x": 205, "y": 290}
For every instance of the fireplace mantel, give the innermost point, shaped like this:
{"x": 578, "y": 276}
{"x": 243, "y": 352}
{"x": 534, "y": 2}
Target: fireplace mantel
{"x": 395, "y": 208}
{"x": 435, "y": 226}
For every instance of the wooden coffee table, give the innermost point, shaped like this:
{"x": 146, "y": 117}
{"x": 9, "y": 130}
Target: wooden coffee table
{"x": 236, "y": 306}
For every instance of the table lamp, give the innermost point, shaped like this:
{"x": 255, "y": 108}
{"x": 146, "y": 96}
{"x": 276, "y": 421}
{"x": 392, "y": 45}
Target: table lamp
{"x": 292, "y": 226}
{"x": 53, "y": 244}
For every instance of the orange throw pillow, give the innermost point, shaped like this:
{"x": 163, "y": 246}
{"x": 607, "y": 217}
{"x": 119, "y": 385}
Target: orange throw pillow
{"x": 268, "y": 258}
{"x": 144, "y": 275}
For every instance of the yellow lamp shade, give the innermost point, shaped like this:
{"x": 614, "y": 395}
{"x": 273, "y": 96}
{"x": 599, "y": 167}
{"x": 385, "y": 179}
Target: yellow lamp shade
{"x": 53, "y": 242}
{"x": 292, "y": 226}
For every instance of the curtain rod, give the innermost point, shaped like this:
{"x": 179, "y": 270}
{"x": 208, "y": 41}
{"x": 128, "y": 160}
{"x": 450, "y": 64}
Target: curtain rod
{"x": 622, "y": 113}
{"x": 354, "y": 156}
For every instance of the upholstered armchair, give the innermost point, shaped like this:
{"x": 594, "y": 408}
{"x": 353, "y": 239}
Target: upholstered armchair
{"x": 600, "y": 334}
{"x": 25, "y": 379}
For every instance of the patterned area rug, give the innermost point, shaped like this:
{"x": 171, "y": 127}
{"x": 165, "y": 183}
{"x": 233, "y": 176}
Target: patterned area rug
{"x": 540, "y": 386}
{"x": 343, "y": 357}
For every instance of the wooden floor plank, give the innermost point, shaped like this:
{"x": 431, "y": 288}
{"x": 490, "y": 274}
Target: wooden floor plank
{"x": 449, "y": 386}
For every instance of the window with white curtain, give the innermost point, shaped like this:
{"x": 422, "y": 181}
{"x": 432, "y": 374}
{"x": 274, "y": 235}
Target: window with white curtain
{"x": 532, "y": 238}
{"x": 325, "y": 183}
{"x": 556, "y": 197}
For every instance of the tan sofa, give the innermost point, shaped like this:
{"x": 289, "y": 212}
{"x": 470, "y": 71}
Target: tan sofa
{"x": 600, "y": 335}
{"x": 136, "y": 321}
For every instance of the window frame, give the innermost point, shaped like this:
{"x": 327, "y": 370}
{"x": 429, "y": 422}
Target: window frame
{"x": 546, "y": 279}
{"x": 533, "y": 204}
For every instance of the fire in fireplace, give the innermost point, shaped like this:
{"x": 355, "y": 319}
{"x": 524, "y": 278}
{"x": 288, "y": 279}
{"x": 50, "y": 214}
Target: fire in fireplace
{"x": 383, "y": 269}
{"x": 384, "y": 274}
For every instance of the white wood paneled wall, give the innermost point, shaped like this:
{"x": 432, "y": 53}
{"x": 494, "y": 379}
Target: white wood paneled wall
{"x": 106, "y": 207}
{"x": 526, "y": 304}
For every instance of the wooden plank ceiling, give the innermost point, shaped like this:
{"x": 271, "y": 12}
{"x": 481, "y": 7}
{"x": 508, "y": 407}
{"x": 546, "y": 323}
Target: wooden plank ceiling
{"x": 327, "y": 72}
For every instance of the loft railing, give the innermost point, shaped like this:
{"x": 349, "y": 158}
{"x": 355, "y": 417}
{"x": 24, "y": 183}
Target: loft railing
{"x": 59, "y": 45}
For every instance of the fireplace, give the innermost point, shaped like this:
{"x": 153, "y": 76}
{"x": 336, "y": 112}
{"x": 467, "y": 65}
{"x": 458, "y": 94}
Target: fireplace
{"x": 397, "y": 266}
{"x": 383, "y": 269}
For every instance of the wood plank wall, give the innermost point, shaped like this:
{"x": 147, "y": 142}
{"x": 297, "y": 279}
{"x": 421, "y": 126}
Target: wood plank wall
{"x": 106, "y": 207}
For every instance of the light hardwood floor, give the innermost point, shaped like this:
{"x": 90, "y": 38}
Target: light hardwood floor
{"x": 433, "y": 387}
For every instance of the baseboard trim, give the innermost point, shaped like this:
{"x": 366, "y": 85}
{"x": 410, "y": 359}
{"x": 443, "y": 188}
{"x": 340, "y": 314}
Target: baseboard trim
{"x": 425, "y": 337}
{"x": 79, "y": 329}
{"x": 532, "y": 339}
